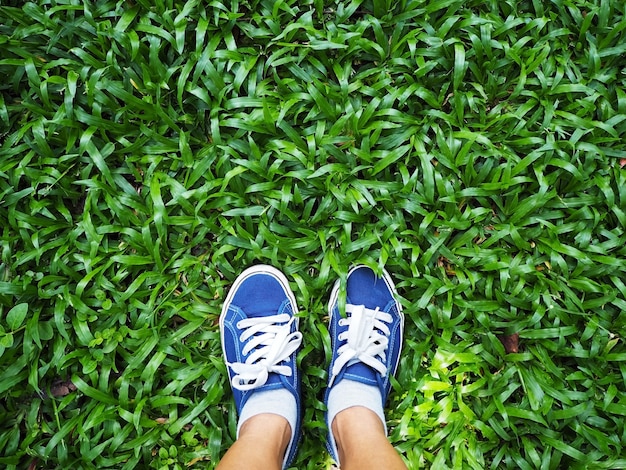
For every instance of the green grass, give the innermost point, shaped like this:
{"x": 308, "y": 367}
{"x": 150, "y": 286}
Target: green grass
{"x": 151, "y": 150}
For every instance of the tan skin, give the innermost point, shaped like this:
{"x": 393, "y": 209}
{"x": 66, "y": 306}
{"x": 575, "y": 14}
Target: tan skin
{"x": 358, "y": 431}
{"x": 362, "y": 442}
{"x": 261, "y": 445}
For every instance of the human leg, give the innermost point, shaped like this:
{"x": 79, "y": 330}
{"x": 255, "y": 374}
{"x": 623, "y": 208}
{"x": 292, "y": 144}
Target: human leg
{"x": 260, "y": 339}
{"x": 261, "y": 444}
{"x": 362, "y": 442}
{"x": 366, "y": 342}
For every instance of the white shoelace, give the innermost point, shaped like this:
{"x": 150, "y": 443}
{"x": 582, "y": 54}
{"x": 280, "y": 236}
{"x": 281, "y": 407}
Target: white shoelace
{"x": 271, "y": 344}
{"x": 363, "y": 340}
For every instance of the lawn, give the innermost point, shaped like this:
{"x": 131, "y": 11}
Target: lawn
{"x": 152, "y": 150}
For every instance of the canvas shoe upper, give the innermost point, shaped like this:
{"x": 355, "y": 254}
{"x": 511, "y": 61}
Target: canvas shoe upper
{"x": 367, "y": 338}
{"x": 260, "y": 339}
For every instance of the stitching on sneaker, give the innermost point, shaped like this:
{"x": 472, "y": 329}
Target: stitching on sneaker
{"x": 269, "y": 344}
{"x": 363, "y": 340}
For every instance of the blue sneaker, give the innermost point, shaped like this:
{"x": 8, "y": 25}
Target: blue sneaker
{"x": 260, "y": 339}
{"x": 367, "y": 340}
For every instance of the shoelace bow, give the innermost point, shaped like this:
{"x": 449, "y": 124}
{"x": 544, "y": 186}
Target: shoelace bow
{"x": 271, "y": 342}
{"x": 363, "y": 340}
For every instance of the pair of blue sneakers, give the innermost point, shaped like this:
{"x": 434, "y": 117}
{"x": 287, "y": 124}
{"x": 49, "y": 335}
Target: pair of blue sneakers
{"x": 260, "y": 337}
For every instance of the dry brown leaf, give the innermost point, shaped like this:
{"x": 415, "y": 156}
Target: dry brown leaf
{"x": 510, "y": 342}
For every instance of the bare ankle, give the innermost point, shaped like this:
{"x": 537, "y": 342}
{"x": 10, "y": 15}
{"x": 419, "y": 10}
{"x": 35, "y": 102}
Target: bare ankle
{"x": 362, "y": 441}
{"x": 269, "y": 427}
{"x": 353, "y": 424}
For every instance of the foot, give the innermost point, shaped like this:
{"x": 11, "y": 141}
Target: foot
{"x": 260, "y": 339}
{"x": 366, "y": 342}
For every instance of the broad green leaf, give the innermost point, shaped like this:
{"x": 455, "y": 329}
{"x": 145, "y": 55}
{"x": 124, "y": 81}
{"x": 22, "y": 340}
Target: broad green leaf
{"x": 16, "y": 316}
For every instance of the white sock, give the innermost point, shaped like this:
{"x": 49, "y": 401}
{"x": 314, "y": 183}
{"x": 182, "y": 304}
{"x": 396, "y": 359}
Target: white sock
{"x": 349, "y": 393}
{"x": 279, "y": 402}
